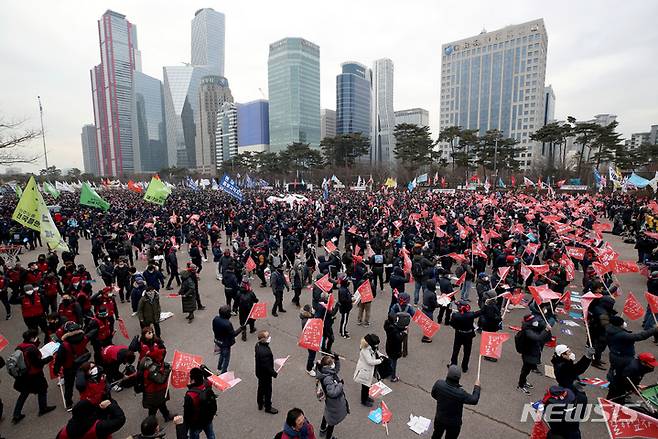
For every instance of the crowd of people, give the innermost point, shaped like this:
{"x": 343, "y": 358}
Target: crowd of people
{"x": 463, "y": 260}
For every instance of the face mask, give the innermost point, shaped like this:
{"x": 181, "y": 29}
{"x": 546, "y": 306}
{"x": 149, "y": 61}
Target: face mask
{"x": 625, "y": 325}
{"x": 29, "y": 293}
{"x": 332, "y": 366}
{"x": 572, "y": 357}
{"x": 268, "y": 339}
{"x": 93, "y": 371}
{"x": 535, "y": 324}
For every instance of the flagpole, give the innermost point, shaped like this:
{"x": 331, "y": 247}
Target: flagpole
{"x": 43, "y": 134}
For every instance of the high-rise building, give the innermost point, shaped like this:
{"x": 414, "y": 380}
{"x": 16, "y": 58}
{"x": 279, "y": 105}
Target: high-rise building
{"x": 353, "y": 99}
{"x": 208, "y": 34}
{"x": 180, "y": 96}
{"x": 226, "y": 141}
{"x": 253, "y": 126}
{"x": 293, "y": 71}
{"x": 150, "y": 137}
{"x": 653, "y": 135}
{"x": 213, "y": 91}
{"x": 495, "y": 80}
{"x": 549, "y": 105}
{"x": 637, "y": 140}
{"x": 112, "y": 94}
{"x": 382, "y": 141}
{"x": 327, "y": 123}
{"x": 89, "y": 149}
{"x": 414, "y": 116}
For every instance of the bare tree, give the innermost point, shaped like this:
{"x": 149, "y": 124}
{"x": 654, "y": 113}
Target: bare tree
{"x": 13, "y": 140}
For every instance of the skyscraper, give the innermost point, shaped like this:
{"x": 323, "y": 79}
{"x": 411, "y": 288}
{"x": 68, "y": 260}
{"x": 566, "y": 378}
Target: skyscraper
{"x": 89, "y": 149}
{"x": 294, "y": 92}
{"x": 150, "y": 137}
{"x": 415, "y": 116}
{"x": 549, "y": 105}
{"x": 112, "y": 94}
{"x": 327, "y": 123}
{"x": 254, "y": 126}
{"x": 382, "y": 140}
{"x": 226, "y": 141}
{"x": 180, "y": 96}
{"x": 213, "y": 91}
{"x": 496, "y": 80}
{"x": 353, "y": 99}
{"x": 208, "y": 34}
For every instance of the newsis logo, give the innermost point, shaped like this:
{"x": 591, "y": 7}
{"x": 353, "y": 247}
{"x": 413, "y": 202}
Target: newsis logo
{"x": 579, "y": 413}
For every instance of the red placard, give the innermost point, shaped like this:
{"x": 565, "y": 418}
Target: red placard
{"x": 330, "y": 246}
{"x": 311, "y": 336}
{"x": 576, "y": 252}
{"x": 539, "y": 269}
{"x": 652, "y": 301}
{"x": 623, "y": 422}
{"x": 503, "y": 272}
{"x": 632, "y": 308}
{"x": 539, "y": 430}
{"x": 387, "y": 414}
{"x": 365, "y": 290}
{"x": 258, "y": 311}
{"x": 626, "y": 267}
{"x": 324, "y": 283}
{"x": 181, "y": 365}
{"x": 491, "y": 343}
{"x": 427, "y": 325}
{"x": 123, "y": 329}
{"x": 250, "y": 265}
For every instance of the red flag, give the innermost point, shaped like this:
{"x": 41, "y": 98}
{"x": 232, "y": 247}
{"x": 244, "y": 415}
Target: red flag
{"x": 181, "y": 365}
{"x": 365, "y": 292}
{"x": 602, "y": 227}
{"x": 531, "y": 248}
{"x": 406, "y": 266}
{"x": 652, "y": 301}
{"x": 560, "y": 183}
{"x": 133, "y": 187}
{"x": 539, "y": 269}
{"x": 569, "y": 267}
{"x": 623, "y": 422}
{"x": 503, "y": 272}
{"x": 387, "y": 414}
{"x": 514, "y": 298}
{"x": 491, "y": 343}
{"x": 525, "y": 272}
{"x": 443, "y": 182}
{"x": 439, "y": 232}
{"x": 651, "y": 235}
{"x": 478, "y": 249}
{"x": 576, "y": 252}
{"x": 626, "y": 267}
{"x": 3, "y": 343}
{"x": 539, "y": 430}
{"x": 461, "y": 279}
{"x": 331, "y": 302}
{"x": 517, "y": 228}
{"x": 250, "y": 265}
{"x": 51, "y": 368}
{"x": 258, "y": 311}
{"x": 123, "y": 329}
{"x": 513, "y": 180}
{"x": 397, "y": 224}
{"x": 353, "y": 230}
{"x": 439, "y": 220}
{"x": 493, "y": 234}
{"x": 567, "y": 301}
{"x": 457, "y": 257}
{"x": 427, "y": 325}
{"x": 311, "y": 336}
{"x": 330, "y": 246}
{"x": 324, "y": 283}
{"x": 632, "y": 308}
{"x": 357, "y": 250}
{"x": 586, "y": 300}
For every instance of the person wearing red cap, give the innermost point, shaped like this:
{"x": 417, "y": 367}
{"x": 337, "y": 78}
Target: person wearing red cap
{"x": 620, "y": 385}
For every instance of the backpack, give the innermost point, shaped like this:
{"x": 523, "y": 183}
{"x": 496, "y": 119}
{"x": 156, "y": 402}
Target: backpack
{"x": 403, "y": 318}
{"x": 207, "y": 403}
{"x": 16, "y": 365}
{"x": 519, "y": 342}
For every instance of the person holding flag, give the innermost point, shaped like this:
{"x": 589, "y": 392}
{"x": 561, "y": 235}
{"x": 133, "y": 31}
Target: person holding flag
{"x": 568, "y": 371}
{"x": 225, "y": 335}
{"x": 246, "y": 299}
{"x": 463, "y": 324}
{"x": 345, "y": 304}
{"x": 336, "y": 407}
{"x": 651, "y": 315}
{"x": 529, "y": 342}
{"x": 450, "y": 399}
{"x": 630, "y": 378}
{"x": 621, "y": 343}
{"x": 265, "y": 372}
{"x": 369, "y": 357}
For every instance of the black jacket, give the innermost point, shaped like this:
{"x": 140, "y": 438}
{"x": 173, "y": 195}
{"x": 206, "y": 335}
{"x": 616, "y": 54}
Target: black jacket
{"x": 223, "y": 331}
{"x": 264, "y": 361}
{"x": 430, "y": 302}
{"x": 534, "y": 340}
{"x": 463, "y": 322}
{"x": 622, "y": 342}
{"x": 344, "y": 299}
{"x": 450, "y": 399}
{"x": 567, "y": 372}
{"x": 394, "y": 338}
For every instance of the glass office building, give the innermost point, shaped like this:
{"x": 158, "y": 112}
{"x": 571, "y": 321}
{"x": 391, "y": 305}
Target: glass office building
{"x": 294, "y": 93}
{"x": 89, "y": 149}
{"x": 226, "y": 134}
{"x": 253, "y": 125}
{"x": 208, "y": 34}
{"x": 382, "y": 141}
{"x": 353, "y": 99}
{"x": 213, "y": 92}
{"x": 151, "y": 136}
{"x": 496, "y": 80}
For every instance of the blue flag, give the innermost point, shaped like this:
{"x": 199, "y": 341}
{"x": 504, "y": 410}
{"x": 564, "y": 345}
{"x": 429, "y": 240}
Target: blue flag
{"x": 228, "y": 185}
{"x": 500, "y": 182}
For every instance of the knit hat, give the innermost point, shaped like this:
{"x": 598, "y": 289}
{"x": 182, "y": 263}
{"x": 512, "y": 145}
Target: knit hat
{"x": 454, "y": 373}
{"x": 371, "y": 339}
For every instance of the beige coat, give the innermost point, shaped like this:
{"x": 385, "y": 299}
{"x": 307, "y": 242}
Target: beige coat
{"x": 365, "y": 367}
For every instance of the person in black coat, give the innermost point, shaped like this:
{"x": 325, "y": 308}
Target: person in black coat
{"x": 172, "y": 263}
{"x": 450, "y": 399}
{"x": 621, "y": 343}
{"x": 265, "y": 372}
{"x": 535, "y": 335}
{"x": 328, "y": 317}
{"x": 567, "y": 370}
{"x": 445, "y": 287}
{"x": 246, "y": 299}
{"x": 88, "y": 419}
{"x": 463, "y": 324}
{"x": 397, "y": 280}
{"x": 395, "y": 335}
{"x": 231, "y": 286}
{"x": 559, "y": 407}
{"x": 345, "y": 305}
{"x": 278, "y": 282}
{"x": 635, "y": 371}
{"x": 225, "y": 335}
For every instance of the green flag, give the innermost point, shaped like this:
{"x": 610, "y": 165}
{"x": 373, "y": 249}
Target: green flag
{"x": 49, "y": 231}
{"x": 157, "y": 192}
{"x": 27, "y": 209}
{"x": 50, "y": 190}
{"x": 89, "y": 197}
{"x": 18, "y": 190}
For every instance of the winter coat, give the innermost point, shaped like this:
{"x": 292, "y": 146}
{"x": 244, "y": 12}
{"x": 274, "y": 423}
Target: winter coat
{"x": 491, "y": 316}
{"x": 567, "y": 372}
{"x": 534, "y": 340}
{"x": 365, "y": 367}
{"x": 188, "y": 291}
{"x": 394, "y": 338}
{"x": 223, "y": 332}
{"x": 450, "y": 399}
{"x": 336, "y": 407}
{"x": 148, "y": 310}
{"x": 264, "y": 361}
{"x": 154, "y": 278}
{"x": 622, "y": 342}
{"x": 344, "y": 299}
{"x": 34, "y": 381}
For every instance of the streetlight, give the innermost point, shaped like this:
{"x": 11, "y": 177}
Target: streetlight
{"x": 43, "y": 134}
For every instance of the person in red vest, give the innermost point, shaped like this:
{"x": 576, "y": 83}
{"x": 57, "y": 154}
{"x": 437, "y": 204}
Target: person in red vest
{"x": 113, "y": 357}
{"x": 4, "y": 295}
{"x": 33, "y": 381}
{"x": 149, "y": 345}
{"x": 88, "y": 422}
{"x": 16, "y": 276}
{"x": 34, "y": 275}
{"x": 154, "y": 397}
{"x": 66, "y": 274}
{"x": 70, "y": 309}
{"x": 92, "y": 384}
{"x": 51, "y": 289}
{"x": 72, "y": 353}
{"x": 200, "y": 405}
{"x": 104, "y": 332}
{"x": 42, "y": 264}
{"x": 55, "y": 328}
{"x": 106, "y": 298}
{"x": 32, "y": 308}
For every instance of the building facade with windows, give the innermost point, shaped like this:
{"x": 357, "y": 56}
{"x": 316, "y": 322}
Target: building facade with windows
{"x": 253, "y": 126}
{"x": 495, "y": 80}
{"x": 226, "y": 134}
{"x": 208, "y": 37}
{"x": 327, "y": 123}
{"x": 213, "y": 92}
{"x": 415, "y": 116}
{"x": 293, "y": 76}
{"x": 382, "y": 141}
{"x": 354, "y": 99}
{"x": 89, "y": 149}
{"x": 150, "y": 135}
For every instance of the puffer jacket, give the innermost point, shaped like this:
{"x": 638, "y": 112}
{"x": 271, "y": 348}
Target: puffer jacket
{"x": 336, "y": 407}
{"x": 188, "y": 291}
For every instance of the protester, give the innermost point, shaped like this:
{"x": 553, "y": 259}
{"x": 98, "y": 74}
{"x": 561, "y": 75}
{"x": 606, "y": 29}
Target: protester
{"x": 265, "y": 372}
{"x": 629, "y": 379}
{"x": 188, "y": 292}
{"x": 450, "y": 399}
{"x": 90, "y": 422}
{"x": 532, "y": 337}
{"x": 369, "y": 357}
{"x": 463, "y": 324}
{"x": 148, "y": 310}
{"x": 297, "y": 426}
{"x": 246, "y": 299}
{"x": 559, "y": 402}
{"x": 200, "y": 405}
{"x": 395, "y": 333}
{"x": 225, "y": 335}
{"x": 336, "y": 407}
{"x": 568, "y": 371}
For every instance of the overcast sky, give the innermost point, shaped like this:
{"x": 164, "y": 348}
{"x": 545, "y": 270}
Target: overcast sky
{"x": 602, "y": 55}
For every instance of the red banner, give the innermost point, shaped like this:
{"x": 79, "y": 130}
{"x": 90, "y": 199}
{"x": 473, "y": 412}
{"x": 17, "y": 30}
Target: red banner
{"x": 258, "y": 311}
{"x": 623, "y": 422}
{"x": 601, "y": 227}
{"x": 250, "y": 265}
{"x": 461, "y": 279}
{"x": 576, "y": 252}
{"x": 491, "y": 343}
{"x": 622, "y": 267}
{"x": 503, "y": 272}
{"x": 3, "y": 343}
{"x": 311, "y": 337}
{"x": 365, "y": 292}
{"x": 330, "y": 247}
{"x": 427, "y": 325}
{"x": 652, "y": 301}
{"x": 181, "y": 366}
{"x": 457, "y": 257}
{"x": 539, "y": 269}
{"x": 586, "y": 300}
{"x": 632, "y": 308}
{"x": 324, "y": 284}
{"x": 123, "y": 329}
